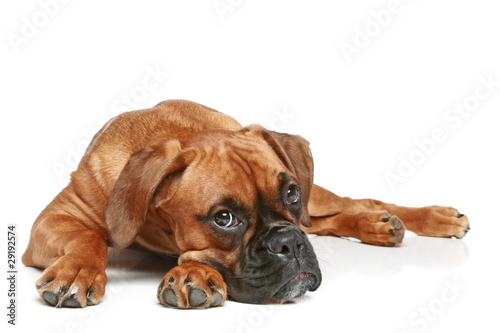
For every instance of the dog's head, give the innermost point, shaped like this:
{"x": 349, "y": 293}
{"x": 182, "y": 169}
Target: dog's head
{"x": 232, "y": 200}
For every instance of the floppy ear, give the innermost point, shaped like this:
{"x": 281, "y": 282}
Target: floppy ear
{"x": 294, "y": 151}
{"x": 129, "y": 201}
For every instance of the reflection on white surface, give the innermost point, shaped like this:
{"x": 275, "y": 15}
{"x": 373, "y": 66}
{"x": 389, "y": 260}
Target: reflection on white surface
{"x": 419, "y": 287}
{"x": 423, "y": 252}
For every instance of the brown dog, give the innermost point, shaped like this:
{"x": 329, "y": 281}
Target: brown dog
{"x": 232, "y": 202}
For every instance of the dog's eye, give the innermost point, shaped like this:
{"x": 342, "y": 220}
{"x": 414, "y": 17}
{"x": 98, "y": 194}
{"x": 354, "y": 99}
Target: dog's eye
{"x": 293, "y": 195}
{"x": 225, "y": 219}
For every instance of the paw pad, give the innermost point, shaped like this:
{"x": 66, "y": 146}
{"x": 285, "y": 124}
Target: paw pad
{"x": 192, "y": 285}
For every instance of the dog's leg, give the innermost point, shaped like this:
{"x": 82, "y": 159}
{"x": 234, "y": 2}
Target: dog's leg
{"x": 74, "y": 257}
{"x": 433, "y": 221}
{"x": 379, "y": 223}
{"x": 332, "y": 215}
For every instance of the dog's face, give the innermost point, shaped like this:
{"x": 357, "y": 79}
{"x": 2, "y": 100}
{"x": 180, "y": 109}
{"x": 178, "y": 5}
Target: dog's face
{"x": 235, "y": 201}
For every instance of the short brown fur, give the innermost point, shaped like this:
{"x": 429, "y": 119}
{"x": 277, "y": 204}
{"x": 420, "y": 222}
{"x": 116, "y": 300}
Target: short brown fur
{"x": 137, "y": 179}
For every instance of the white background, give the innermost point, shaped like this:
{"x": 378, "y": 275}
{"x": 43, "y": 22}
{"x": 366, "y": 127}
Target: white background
{"x": 66, "y": 67}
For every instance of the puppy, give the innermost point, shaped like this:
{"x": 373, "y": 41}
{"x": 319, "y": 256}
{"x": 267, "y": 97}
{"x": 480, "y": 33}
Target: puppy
{"x": 233, "y": 203}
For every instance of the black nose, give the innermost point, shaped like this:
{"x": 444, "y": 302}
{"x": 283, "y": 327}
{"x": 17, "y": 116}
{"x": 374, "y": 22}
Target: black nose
{"x": 284, "y": 242}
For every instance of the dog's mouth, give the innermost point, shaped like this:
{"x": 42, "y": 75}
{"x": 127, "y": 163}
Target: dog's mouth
{"x": 281, "y": 286}
{"x": 297, "y": 287}
{"x": 294, "y": 288}
{"x": 279, "y": 265}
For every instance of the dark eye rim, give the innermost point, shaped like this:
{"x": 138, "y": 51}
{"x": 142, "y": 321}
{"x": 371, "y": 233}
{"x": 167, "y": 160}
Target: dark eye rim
{"x": 296, "y": 198}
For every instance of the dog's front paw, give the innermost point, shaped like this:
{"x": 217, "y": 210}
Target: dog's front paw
{"x": 192, "y": 285}
{"x": 380, "y": 228}
{"x": 73, "y": 283}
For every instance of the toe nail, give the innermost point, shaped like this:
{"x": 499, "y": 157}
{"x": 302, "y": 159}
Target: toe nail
{"x": 398, "y": 225}
{"x": 73, "y": 289}
{"x": 71, "y": 302}
{"x": 51, "y": 297}
{"x": 460, "y": 215}
{"x": 44, "y": 283}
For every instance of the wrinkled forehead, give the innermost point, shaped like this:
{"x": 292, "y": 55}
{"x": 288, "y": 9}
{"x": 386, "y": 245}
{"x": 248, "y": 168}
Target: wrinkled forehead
{"x": 239, "y": 168}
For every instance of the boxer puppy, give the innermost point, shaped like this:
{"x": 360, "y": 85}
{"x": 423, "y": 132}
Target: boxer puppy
{"x": 233, "y": 203}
